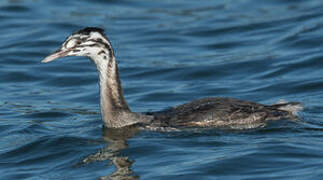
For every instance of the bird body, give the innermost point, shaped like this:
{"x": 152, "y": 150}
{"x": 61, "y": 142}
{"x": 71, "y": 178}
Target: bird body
{"x": 206, "y": 112}
{"x": 222, "y": 112}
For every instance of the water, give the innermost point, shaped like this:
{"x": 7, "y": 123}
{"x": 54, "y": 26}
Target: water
{"x": 169, "y": 52}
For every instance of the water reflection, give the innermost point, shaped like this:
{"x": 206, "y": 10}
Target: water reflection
{"x": 116, "y": 141}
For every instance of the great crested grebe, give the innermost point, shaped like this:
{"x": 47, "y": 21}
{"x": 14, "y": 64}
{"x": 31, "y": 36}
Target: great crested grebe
{"x": 206, "y": 112}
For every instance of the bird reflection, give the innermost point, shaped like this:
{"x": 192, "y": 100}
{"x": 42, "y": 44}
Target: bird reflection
{"x": 116, "y": 141}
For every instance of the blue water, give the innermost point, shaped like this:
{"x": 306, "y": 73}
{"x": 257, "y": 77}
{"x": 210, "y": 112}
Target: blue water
{"x": 169, "y": 52}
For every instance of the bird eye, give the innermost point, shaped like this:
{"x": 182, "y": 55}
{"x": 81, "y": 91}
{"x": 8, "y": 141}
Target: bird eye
{"x": 78, "y": 42}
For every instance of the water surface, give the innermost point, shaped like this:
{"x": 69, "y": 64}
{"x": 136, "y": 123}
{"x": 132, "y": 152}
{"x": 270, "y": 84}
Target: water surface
{"x": 169, "y": 52}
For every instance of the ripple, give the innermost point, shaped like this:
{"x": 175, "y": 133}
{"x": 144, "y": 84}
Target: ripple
{"x": 168, "y": 53}
{"x": 15, "y": 8}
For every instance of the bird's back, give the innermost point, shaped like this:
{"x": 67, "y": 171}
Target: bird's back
{"x": 219, "y": 112}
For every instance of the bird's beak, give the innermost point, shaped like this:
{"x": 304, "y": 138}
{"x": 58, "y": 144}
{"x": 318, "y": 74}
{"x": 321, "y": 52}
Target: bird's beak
{"x": 57, "y": 54}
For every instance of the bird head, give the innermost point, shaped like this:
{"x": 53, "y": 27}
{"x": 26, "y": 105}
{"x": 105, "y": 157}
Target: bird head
{"x": 90, "y": 42}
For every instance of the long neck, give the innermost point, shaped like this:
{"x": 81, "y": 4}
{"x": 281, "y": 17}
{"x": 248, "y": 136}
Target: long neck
{"x": 111, "y": 97}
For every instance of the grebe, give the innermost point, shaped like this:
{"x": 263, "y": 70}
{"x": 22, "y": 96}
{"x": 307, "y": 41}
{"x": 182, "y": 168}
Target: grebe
{"x": 206, "y": 112}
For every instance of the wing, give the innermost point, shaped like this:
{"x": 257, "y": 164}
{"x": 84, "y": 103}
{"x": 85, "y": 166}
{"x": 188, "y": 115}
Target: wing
{"x": 209, "y": 112}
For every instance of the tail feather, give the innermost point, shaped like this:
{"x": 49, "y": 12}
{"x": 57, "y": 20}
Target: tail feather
{"x": 291, "y": 107}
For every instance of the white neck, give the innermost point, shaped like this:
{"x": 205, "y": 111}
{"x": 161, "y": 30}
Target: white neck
{"x": 113, "y": 104}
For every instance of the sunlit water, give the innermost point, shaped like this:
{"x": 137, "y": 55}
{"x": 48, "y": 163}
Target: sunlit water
{"x": 169, "y": 52}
